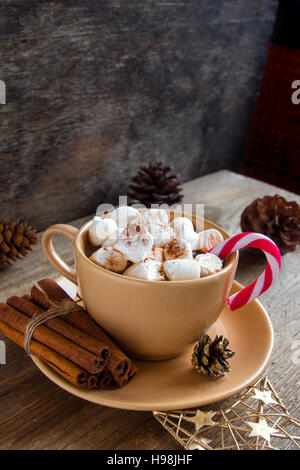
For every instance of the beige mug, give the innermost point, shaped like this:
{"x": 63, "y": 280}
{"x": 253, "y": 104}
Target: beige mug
{"x": 151, "y": 320}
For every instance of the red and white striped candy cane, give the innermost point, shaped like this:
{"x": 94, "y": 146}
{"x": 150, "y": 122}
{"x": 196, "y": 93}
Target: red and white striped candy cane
{"x": 264, "y": 281}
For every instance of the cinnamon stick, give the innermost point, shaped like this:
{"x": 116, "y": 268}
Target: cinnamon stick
{"x": 48, "y": 293}
{"x": 57, "y": 324}
{"x": 58, "y": 343}
{"x": 124, "y": 380}
{"x": 70, "y": 371}
{"x": 132, "y": 371}
{"x": 89, "y": 382}
{"x": 104, "y": 379}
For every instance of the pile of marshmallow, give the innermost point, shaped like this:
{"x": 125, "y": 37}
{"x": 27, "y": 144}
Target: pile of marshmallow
{"x": 147, "y": 246}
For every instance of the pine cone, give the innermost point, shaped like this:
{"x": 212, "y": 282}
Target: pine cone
{"x": 210, "y": 357}
{"x": 153, "y": 185}
{"x": 275, "y": 217}
{"x": 15, "y": 240}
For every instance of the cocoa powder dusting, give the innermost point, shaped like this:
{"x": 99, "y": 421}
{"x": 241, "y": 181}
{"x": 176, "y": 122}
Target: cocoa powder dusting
{"x": 173, "y": 249}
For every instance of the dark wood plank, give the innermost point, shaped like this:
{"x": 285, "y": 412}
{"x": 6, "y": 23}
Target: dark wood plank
{"x": 96, "y": 88}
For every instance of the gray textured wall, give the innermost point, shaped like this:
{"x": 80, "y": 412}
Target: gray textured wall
{"x": 95, "y": 88}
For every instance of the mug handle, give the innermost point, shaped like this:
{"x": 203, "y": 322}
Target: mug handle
{"x": 52, "y": 255}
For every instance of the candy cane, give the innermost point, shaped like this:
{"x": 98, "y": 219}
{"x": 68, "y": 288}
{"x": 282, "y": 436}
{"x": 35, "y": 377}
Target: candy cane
{"x": 264, "y": 281}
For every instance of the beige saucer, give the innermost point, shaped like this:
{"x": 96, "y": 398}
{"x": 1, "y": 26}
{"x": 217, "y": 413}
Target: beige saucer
{"x": 173, "y": 384}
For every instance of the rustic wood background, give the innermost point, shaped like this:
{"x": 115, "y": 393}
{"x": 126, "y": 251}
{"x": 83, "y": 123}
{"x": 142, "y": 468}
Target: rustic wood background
{"x": 95, "y": 88}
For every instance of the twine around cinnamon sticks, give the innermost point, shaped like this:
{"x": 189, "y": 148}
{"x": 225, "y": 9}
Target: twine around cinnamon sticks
{"x": 65, "y": 307}
{"x": 59, "y": 331}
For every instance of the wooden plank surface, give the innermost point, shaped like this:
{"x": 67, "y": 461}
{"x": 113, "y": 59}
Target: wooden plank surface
{"x": 36, "y": 414}
{"x": 97, "y": 88}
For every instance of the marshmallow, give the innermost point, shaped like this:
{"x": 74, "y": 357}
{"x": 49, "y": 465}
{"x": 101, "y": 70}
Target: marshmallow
{"x": 124, "y": 215}
{"x": 109, "y": 258}
{"x": 209, "y": 264}
{"x": 101, "y": 230}
{"x": 208, "y": 239}
{"x": 110, "y": 241}
{"x": 154, "y": 216}
{"x": 184, "y": 232}
{"x": 183, "y": 221}
{"x": 147, "y": 269}
{"x": 135, "y": 242}
{"x": 156, "y": 253}
{"x": 161, "y": 234}
{"x": 178, "y": 249}
{"x": 182, "y": 269}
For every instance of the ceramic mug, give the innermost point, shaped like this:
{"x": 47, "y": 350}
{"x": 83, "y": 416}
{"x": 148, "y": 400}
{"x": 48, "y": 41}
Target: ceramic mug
{"x": 151, "y": 320}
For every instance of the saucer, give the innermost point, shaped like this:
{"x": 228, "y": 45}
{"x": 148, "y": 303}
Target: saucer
{"x": 174, "y": 384}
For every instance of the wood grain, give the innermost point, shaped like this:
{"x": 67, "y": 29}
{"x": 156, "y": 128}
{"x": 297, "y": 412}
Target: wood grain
{"x": 96, "y": 88}
{"x": 36, "y": 414}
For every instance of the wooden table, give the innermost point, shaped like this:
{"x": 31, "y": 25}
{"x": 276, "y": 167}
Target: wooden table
{"x": 36, "y": 414}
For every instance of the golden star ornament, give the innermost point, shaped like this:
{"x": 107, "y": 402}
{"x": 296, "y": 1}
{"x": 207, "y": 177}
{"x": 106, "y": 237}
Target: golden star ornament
{"x": 256, "y": 419}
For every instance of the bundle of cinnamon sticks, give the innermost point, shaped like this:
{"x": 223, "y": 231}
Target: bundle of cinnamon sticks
{"x": 72, "y": 344}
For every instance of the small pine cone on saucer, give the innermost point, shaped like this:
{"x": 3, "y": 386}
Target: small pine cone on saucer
{"x": 275, "y": 217}
{"x": 210, "y": 357}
